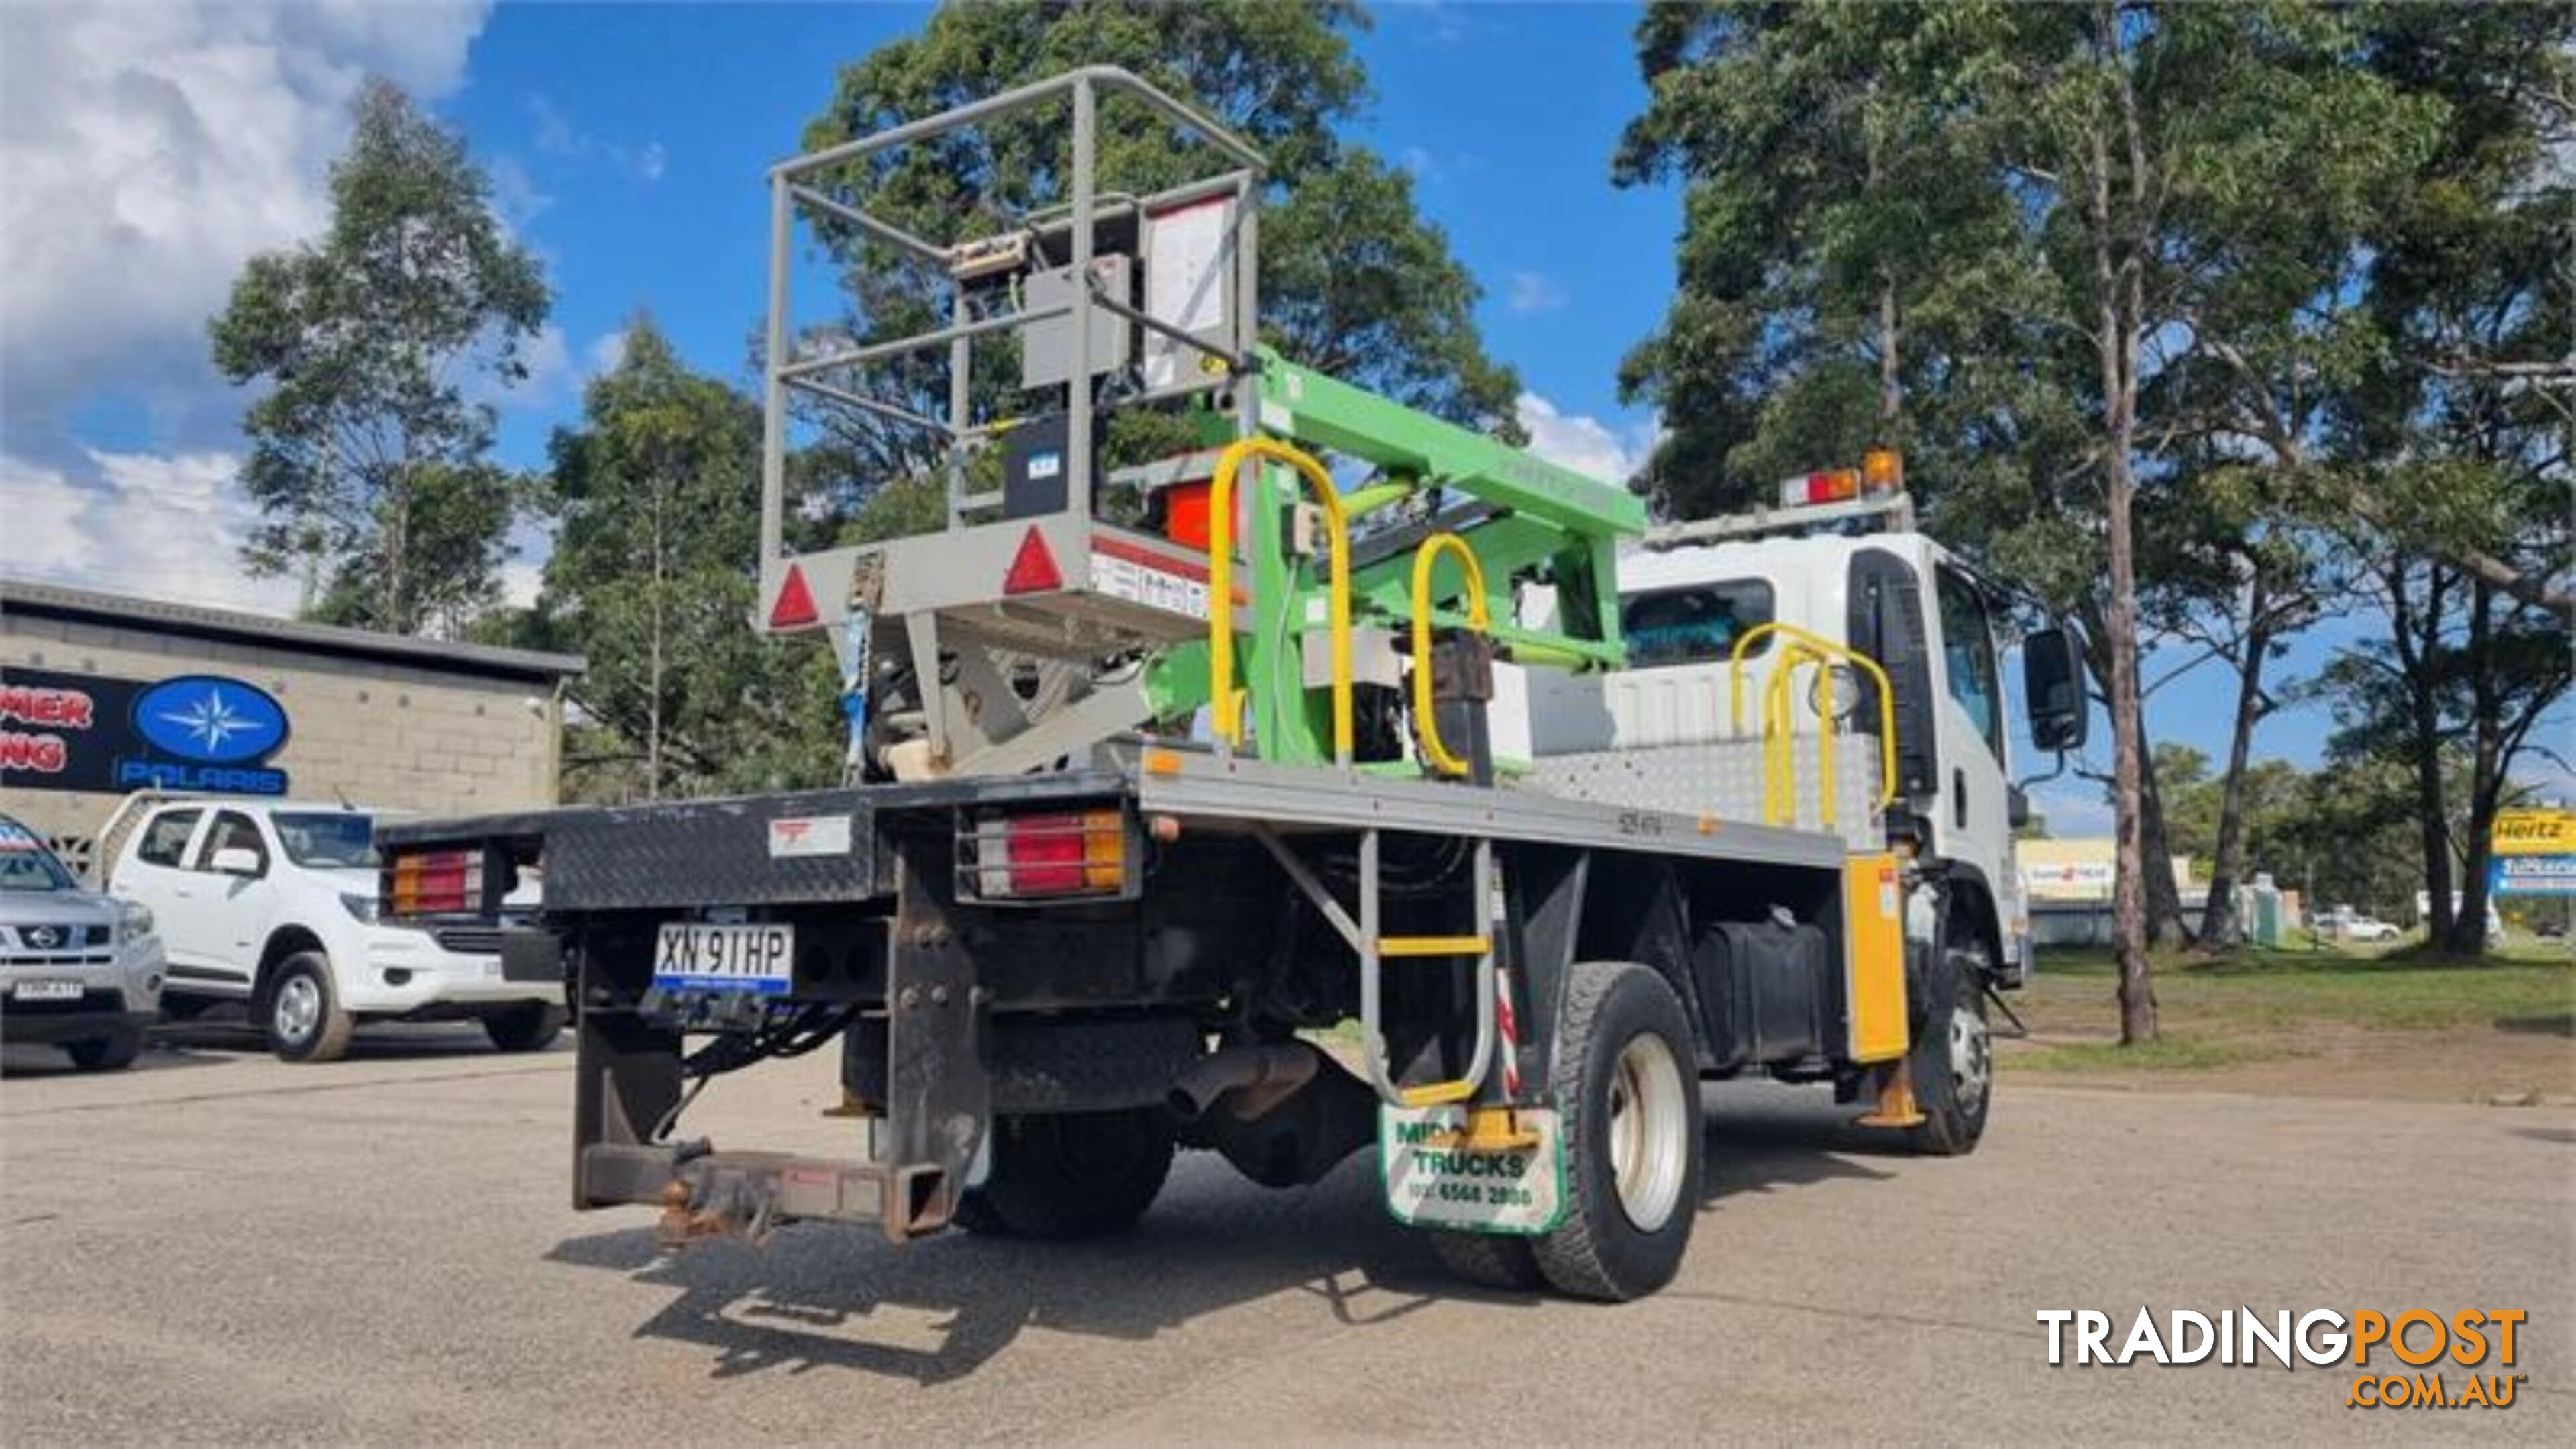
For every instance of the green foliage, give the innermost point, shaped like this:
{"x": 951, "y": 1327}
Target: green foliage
{"x": 1353, "y": 279}
{"x": 367, "y": 449}
{"x": 652, "y": 579}
{"x": 2459, "y": 426}
{"x": 2100, "y": 267}
{"x": 1834, "y": 186}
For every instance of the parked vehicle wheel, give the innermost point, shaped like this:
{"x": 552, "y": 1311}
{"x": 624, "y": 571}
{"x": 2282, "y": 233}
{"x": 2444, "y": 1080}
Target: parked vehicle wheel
{"x": 1952, "y": 1059}
{"x": 525, "y": 1028}
{"x": 1488, "y": 1260}
{"x": 304, "y": 1017}
{"x": 111, "y": 1053}
{"x": 1625, "y": 1080}
{"x": 1069, "y": 1175}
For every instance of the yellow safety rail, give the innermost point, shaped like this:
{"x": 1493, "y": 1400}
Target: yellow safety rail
{"x": 1227, "y": 703}
{"x": 1779, "y": 754}
{"x": 1479, "y": 618}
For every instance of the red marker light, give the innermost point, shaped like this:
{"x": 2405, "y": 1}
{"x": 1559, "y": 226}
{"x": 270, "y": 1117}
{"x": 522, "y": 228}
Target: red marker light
{"x": 1033, "y": 569}
{"x": 795, "y": 604}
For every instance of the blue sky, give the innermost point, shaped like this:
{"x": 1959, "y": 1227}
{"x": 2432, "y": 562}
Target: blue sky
{"x": 628, "y": 146}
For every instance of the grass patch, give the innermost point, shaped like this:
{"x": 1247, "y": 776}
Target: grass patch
{"x": 2268, "y": 991}
{"x": 2170, "y": 1053}
{"x": 2261, "y": 1005}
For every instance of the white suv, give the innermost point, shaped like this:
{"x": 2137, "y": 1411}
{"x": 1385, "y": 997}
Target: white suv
{"x": 273, "y": 903}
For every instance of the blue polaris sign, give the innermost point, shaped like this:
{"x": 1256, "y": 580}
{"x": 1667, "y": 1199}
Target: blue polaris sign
{"x": 205, "y": 732}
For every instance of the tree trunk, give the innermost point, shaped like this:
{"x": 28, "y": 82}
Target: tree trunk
{"x": 2218, "y": 923}
{"x": 2167, "y": 926}
{"x": 2117, "y": 308}
{"x": 2418, "y": 658}
{"x": 653, "y": 704}
{"x": 2468, "y": 934}
{"x": 393, "y": 617}
{"x": 1891, "y": 392}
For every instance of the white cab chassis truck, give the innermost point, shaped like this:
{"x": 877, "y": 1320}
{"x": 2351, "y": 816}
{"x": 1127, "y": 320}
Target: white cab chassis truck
{"x": 1157, "y": 780}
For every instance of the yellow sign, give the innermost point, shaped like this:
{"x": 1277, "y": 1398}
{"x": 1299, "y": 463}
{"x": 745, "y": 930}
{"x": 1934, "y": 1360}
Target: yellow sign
{"x": 2535, "y": 832}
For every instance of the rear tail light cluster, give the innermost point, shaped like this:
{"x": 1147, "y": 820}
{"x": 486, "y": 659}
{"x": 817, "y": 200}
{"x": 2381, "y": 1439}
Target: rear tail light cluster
{"x": 1047, "y": 855}
{"x": 436, "y": 882}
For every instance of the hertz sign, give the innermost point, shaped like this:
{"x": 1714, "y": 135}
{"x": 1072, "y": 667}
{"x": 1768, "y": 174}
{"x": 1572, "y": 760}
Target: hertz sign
{"x": 2534, "y": 853}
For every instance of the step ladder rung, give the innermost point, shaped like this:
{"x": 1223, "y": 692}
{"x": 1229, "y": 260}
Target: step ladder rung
{"x": 1434, "y": 945}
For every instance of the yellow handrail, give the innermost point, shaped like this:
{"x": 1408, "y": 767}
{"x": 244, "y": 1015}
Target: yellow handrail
{"x": 1780, "y": 741}
{"x": 1223, "y": 699}
{"x": 1808, "y": 647}
{"x": 1479, "y": 618}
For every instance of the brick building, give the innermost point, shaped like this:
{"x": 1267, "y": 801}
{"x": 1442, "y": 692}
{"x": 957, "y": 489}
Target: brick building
{"x": 102, "y": 694}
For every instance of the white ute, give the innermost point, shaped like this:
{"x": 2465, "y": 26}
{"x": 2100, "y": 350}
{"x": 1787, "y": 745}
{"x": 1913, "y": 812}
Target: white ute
{"x": 273, "y": 904}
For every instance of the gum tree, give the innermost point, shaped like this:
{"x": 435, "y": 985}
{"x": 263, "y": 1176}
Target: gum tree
{"x": 375, "y": 344}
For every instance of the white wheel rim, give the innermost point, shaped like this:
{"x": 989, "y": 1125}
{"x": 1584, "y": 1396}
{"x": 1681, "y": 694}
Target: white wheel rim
{"x": 1648, "y": 1134}
{"x": 299, "y": 1006}
{"x": 1971, "y": 1058}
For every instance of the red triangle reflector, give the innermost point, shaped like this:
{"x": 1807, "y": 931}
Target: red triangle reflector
{"x": 795, "y": 604}
{"x": 1033, "y": 569}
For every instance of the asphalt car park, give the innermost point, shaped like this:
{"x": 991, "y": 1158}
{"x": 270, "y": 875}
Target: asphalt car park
{"x": 220, "y": 1246}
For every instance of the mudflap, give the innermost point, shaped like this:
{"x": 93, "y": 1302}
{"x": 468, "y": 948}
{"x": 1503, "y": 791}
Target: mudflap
{"x": 1473, "y": 1169}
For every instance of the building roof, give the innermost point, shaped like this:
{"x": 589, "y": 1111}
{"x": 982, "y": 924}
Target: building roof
{"x": 58, "y": 601}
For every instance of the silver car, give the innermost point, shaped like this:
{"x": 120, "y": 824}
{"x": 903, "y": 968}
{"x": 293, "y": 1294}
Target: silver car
{"x": 77, "y": 970}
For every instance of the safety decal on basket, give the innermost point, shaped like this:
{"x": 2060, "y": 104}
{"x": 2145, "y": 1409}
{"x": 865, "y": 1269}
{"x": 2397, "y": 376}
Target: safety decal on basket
{"x": 1488, "y": 1171}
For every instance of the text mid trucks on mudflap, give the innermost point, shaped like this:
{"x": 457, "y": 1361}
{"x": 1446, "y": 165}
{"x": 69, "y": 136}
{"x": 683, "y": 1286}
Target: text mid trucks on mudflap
{"x": 1330, "y": 711}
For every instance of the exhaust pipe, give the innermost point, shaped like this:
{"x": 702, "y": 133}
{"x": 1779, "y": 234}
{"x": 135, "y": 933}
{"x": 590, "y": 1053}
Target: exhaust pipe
{"x": 1264, "y": 1075}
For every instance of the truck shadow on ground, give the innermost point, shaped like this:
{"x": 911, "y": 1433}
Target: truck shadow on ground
{"x": 826, "y": 1296}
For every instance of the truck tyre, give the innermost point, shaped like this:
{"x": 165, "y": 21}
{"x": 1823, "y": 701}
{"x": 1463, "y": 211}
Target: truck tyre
{"x": 1952, "y": 1059}
{"x": 1067, "y": 1175}
{"x": 111, "y": 1053}
{"x": 1627, "y": 1084}
{"x": 529, "y": 1027}
{"x": 304, "y": 1018}
{"x": 1488, "y": 1260}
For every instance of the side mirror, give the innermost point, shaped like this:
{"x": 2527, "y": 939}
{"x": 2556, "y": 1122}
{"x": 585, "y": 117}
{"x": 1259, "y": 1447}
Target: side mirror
{"x": 2052, "y": 687}
{"x": 236, "y": 860}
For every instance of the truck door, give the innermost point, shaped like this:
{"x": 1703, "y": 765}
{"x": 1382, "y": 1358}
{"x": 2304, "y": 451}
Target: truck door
{"x": 1971, "y": 824}
{"x": 153, "y": 872}
{"x": 232, "y": 907}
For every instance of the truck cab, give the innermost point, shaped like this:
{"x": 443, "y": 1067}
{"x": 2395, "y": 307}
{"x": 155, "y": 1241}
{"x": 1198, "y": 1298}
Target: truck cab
{"x": 1707, "y": 608}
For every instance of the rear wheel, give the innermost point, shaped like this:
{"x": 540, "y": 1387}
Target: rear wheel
{"x": 304, "y": 1018}
{"x": 1068, "y": 1175}
{"x": 532, "y": 1026}
{"x": 111, "y": 1053}
{"x": 1630, "y": 1095}
{"x": 1952, "y": 1060}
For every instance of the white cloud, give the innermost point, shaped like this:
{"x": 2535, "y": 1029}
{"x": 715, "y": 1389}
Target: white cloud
{"x": 1583, "y": 442}
{"x": 549, "y": 364}
{"x": 146, "y": 151}
{"x": 1418, "y": 163}
{"x": 515, "y": 194}
{"x": 163, "y": 528}
{"x": 555, "y": 135}
{"x": 1533, "y": 292}
{"x": 520, "y": 580}
{"x": 604, "y": 353}
{"x": 2072, "y": 810}
{"x": 148, "y": 148}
